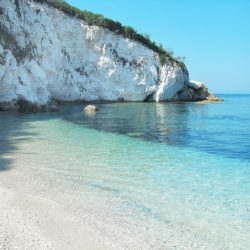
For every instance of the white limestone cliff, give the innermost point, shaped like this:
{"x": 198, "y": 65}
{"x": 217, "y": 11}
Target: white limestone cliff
{"x": 47, "y": 55}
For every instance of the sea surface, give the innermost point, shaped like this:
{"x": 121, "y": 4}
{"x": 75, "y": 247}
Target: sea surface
{"x": 162, "y": 176}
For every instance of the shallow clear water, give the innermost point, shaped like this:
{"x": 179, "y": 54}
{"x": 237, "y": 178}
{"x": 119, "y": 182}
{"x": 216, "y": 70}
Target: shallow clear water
{"x": 180, "y": 173}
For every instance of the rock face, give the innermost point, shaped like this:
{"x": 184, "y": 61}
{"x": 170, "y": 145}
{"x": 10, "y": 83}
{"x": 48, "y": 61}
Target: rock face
{"x": 47, "y": 55}
{"x": 199, "y": 92}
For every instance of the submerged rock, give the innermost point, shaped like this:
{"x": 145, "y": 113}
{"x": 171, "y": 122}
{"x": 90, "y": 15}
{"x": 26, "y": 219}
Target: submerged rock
{"x": 27, "y": 106}
{"x": 52, "y": 107}
{"x": 6, "y": 106}
{"x": 91, "y": 109}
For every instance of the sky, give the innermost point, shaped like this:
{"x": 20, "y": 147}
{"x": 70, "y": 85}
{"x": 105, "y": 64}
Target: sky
{"x": 213, "y": 36}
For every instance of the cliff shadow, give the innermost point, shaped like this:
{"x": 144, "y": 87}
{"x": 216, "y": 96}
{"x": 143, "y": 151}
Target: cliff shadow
{"x": 165, "y": 123}
{"x": 14, "y": 128}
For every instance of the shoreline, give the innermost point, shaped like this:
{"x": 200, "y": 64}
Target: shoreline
{"x": 54, "y": 105}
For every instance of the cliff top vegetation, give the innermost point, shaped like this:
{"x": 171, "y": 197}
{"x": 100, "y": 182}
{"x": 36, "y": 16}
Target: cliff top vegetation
{"x": 116, "y": 27}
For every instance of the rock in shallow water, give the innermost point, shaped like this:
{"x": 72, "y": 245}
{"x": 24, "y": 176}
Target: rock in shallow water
{"x": 91, "y": 109}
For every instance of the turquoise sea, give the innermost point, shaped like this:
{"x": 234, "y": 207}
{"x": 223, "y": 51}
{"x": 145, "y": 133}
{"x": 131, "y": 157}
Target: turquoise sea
{"x": 167, "y": 176}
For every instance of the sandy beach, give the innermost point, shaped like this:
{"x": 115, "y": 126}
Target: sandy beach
{"x": 29, "y": 221}
{"x": 67, "y": 184}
